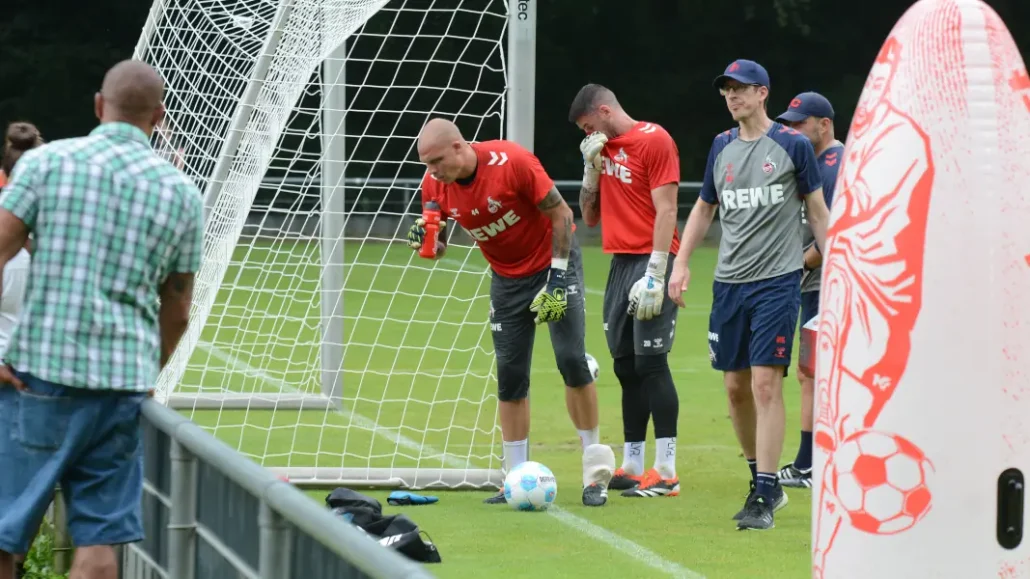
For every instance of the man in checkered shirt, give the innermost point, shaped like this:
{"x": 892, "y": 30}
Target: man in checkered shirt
{"x": 115, "y": 226}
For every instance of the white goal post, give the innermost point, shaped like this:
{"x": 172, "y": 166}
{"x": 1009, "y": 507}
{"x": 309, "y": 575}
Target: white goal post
{"x": 319, "y": 345}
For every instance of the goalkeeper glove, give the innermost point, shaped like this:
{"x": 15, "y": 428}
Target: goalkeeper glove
{"x": 550, "y": 303}
{"x": 417, "y": 233}
{"x": 591, "y": 148}
{"x": 647, "y": 294}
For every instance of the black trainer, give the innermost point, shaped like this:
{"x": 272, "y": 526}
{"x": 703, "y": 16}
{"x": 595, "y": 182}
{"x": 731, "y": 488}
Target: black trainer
{"x": 759, "y": 515}
{"x": 497, "y": 499}
{"x": 792, "y": 477}
{"x": 752, "y": 489}
{"x": 595, "y": 495}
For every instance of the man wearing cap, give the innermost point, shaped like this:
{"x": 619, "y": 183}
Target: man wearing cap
{"x": 760, "y": 174}
{"x": 811, "y": 114}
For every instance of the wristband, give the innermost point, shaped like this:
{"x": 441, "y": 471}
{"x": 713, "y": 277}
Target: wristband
{"x": 656, "y": 266}
{"x": 560, "y": 263}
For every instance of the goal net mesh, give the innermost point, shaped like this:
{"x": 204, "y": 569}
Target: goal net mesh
{"x": 319, "y": 344}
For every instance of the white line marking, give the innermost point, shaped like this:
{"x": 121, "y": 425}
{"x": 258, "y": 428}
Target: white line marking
{"x": 621, "y": 544}
{"x": 391, "y": 434}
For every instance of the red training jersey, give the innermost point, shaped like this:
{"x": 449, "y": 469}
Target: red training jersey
{"x": 499, "y": 207}
{"x": 635, "y": 163}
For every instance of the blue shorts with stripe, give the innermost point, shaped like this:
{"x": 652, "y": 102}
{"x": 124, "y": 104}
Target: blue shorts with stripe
{"x": 753, "y": 323}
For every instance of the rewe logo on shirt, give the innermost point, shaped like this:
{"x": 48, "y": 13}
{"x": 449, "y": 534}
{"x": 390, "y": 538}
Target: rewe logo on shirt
{"x": 617, "y": 170}
{"x": 752, "y": 197}
{"x": 491, "y": 230}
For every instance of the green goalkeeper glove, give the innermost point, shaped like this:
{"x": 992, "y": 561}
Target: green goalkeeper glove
{"x": 550, "y": 304}
{"x": 417, "y": 233}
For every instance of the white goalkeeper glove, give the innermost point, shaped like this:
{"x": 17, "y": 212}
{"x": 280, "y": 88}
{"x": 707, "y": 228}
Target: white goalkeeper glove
{"x": 591, "y": 148}
{"x": 647, "y": 294}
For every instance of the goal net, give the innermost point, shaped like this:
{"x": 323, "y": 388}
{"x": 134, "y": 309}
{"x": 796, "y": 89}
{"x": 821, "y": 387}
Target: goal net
{"x": 319, "y": 344}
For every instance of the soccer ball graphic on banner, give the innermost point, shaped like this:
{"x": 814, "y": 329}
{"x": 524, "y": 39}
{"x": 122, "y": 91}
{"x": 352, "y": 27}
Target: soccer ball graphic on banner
{"x": 880, "y": 480}
{"x": 595, "y": 369}
{"x": 530, "y": 486}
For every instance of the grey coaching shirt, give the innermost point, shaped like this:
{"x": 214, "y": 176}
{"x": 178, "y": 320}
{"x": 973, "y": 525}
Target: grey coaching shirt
{"x": 829, "y": 164}
{"x": 760, "y": 188}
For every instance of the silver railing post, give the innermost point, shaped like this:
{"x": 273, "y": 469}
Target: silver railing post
{"x": 182, "y": 520}
{"x": 276, "y": 544}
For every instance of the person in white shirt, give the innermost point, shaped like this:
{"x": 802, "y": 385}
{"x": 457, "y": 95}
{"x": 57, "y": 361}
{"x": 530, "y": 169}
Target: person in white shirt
{"x": 13, "y": 280}
{"x": 14, "y": 276}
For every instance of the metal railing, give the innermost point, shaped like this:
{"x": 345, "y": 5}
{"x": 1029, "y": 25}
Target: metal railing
{"x": 209, "y": 512}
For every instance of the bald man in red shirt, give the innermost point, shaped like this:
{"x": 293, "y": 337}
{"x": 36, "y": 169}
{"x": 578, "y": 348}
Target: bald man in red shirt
{"x": 499, "y": 192}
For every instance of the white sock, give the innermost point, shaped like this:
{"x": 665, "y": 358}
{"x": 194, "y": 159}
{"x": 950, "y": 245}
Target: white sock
{"x": 665, "y": 457}
{"x": 514, "y": 453}
{"x": 633, "y": 458}
{"x": 588, "y": 437}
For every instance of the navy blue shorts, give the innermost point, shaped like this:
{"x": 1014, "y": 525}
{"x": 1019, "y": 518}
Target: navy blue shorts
{"x": 809, "y": 306}
{"x": 753, "y": 323}
{"x": 89, "y": 442}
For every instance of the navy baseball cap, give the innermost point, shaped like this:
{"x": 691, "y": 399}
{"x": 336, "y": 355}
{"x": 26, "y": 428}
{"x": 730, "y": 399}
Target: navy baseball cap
{"x": 745, "y": 72}
{"x": 807, "y": 104}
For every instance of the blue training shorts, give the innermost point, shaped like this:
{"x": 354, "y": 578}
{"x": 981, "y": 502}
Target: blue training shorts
{"x": 753, "y": 323}
{"x": 89, "y": 442}
{"x": 809, "y": 306}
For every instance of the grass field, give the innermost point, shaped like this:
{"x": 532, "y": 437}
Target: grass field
{"x": 418, "y": 368}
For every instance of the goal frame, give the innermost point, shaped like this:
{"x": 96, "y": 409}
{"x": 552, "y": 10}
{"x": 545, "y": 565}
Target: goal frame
{"x": 519, "y": 127}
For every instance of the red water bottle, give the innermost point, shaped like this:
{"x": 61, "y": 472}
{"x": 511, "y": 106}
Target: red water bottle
{"x": 431, "y": 217}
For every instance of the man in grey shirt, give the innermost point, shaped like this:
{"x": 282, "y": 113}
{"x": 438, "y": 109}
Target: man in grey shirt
{"x": 761, "y": 174}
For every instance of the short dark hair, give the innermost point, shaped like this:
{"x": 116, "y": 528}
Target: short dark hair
{"x": 588, "y": 99}
{"x": 20, "y": 138}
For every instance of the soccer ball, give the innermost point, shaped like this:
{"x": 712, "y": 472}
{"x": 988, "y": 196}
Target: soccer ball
{"x": 530, "y": 486}
{"x": 595, "y": 369}
{"x": 881, "y": 481}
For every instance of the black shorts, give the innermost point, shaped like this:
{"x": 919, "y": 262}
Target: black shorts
{"x": 513, "y": 329}
{"x": 627, "y": 335}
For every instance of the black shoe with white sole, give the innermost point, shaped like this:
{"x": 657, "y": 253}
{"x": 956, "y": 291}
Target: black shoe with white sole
{"x": 752, "y": 491}
{"x": 759, "y": 515}
{"x": 793, "y": 477}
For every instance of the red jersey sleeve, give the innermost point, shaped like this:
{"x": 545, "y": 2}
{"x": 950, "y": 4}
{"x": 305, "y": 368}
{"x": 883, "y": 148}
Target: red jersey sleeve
{"x": 531, "y": 180}
{"x": 663, "y": 160}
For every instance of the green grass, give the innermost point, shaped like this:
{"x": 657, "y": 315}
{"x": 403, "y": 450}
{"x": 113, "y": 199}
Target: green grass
{"x": 418, "y": 362}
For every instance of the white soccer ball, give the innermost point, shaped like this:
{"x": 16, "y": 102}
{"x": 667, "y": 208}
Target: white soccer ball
{"x": 530, "y": 486}
{"x": 595, "y": 368}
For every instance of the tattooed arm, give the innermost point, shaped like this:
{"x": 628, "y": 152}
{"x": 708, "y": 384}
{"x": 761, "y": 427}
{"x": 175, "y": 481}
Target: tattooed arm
{"x": 590, "y": 206}
{"x": 176, "y": 298}
{"x": 561, "y": 221}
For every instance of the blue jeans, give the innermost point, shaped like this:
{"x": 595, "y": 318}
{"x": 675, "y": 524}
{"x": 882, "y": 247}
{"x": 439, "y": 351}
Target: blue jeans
{"x": 89, "y": 442}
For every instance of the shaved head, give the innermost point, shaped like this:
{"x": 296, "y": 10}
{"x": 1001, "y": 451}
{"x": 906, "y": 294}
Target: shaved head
{"x": 444, "y": 151}
{"x": 132, "y": 93}
{"x": 437, "y": 132}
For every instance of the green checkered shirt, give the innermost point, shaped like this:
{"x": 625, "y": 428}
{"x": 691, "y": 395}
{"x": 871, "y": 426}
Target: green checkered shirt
{"x": 111, "y": 220}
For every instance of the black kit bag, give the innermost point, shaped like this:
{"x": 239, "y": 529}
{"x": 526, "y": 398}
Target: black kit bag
{"x": 397, "y": 532}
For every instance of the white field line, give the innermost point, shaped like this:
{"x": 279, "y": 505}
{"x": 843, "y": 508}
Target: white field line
{"x": 616, "y": 542}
